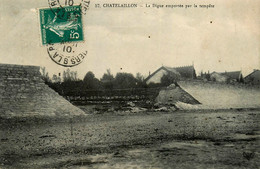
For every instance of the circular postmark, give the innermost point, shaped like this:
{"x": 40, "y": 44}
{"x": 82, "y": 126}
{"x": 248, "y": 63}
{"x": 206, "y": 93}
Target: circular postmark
{"x": 63, "y": 28}
{"x": 67, "y": 54}
{"x": 60, "y": 5}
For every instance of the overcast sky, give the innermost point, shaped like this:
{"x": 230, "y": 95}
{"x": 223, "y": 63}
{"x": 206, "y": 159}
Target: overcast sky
{"x": 143, "y": 39}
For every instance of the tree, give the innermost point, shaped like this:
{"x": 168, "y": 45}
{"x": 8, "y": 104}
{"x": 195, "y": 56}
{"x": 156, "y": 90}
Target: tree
{"x": 107, "y": 76}
{"x": 207, "y": 76}
{"x": 89, "y": 76}
{"x": 56, "y": 79}
{"x": 140, "y": 80}
{"x": 125, "y": 80}
{"x": 139, "y": 77}
{"x": 74, "y": 75}
{"x": 170, "y": 78}
{"x": 70, "y": 75}
{"x": 90, "y": 82}
{"x": 107, "y": 80}
{"x": 45, "y": 75}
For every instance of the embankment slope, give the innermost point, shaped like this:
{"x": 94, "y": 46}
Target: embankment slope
{"x": 214, "y": 95}
{"x": 23, "y": 93}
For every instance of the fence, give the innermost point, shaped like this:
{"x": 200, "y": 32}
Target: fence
{"x": 133, "y": 94}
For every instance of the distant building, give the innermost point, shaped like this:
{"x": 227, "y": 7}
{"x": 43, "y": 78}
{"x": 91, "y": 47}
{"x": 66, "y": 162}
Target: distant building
{"x": 253, "y": 78}
{"x": 218, "y": 77}
{"x": 185, "y": 72}
{"x": 235, "y": 76}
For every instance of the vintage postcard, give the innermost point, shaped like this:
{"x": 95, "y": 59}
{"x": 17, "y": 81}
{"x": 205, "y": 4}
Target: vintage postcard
{"x": 130, "y": 84}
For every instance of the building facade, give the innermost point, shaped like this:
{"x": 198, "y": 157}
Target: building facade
{"x": 184, "y": 72}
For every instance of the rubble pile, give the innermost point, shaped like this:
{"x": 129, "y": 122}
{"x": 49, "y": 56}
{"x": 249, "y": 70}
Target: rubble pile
{"x": 173, "y": 98}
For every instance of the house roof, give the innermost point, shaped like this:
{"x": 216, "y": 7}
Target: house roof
{"x": 252, "y": 73}
{"x": 232, "y": 75}
{"x": 219, "y": 73}
{"x": 214, "y": 72}
{"x": 168, "y": 69}
{"x": 182, "y": 71}
{"x": 185, "y": 70}
{"x": 218, "y": 76}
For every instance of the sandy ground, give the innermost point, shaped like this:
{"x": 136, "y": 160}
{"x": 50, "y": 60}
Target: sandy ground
{"x": 183, "y": 139}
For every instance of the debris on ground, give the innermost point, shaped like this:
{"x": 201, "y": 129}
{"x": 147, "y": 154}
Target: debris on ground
{"x": 131, "y": 104}
{"x": 164, "y": 109}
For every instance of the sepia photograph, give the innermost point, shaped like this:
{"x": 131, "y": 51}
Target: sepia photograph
{"x": 130, "y": 84}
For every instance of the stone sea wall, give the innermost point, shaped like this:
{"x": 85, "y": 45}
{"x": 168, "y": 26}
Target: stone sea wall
{"x": 23, "y": 93}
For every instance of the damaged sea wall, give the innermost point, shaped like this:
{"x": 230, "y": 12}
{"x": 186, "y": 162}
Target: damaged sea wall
{"x": 213, "y": 95}
{"x": 173, "y": 94}
{"x": 23, "y": 93}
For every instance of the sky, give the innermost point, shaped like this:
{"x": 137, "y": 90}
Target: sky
{"x": 223, "y": 38}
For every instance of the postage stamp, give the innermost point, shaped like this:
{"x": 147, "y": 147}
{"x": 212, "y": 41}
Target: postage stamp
{"x": 59, "y": 25}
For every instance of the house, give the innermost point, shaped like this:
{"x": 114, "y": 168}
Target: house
{"x": 253, "y": 78}
{"x": 218, "y": 77}
{"x": 185, "y": 72}
{"x": 235, "y": 76}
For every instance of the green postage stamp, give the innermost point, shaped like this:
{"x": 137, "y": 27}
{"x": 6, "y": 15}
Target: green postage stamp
{"x": 60, "y": 25}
